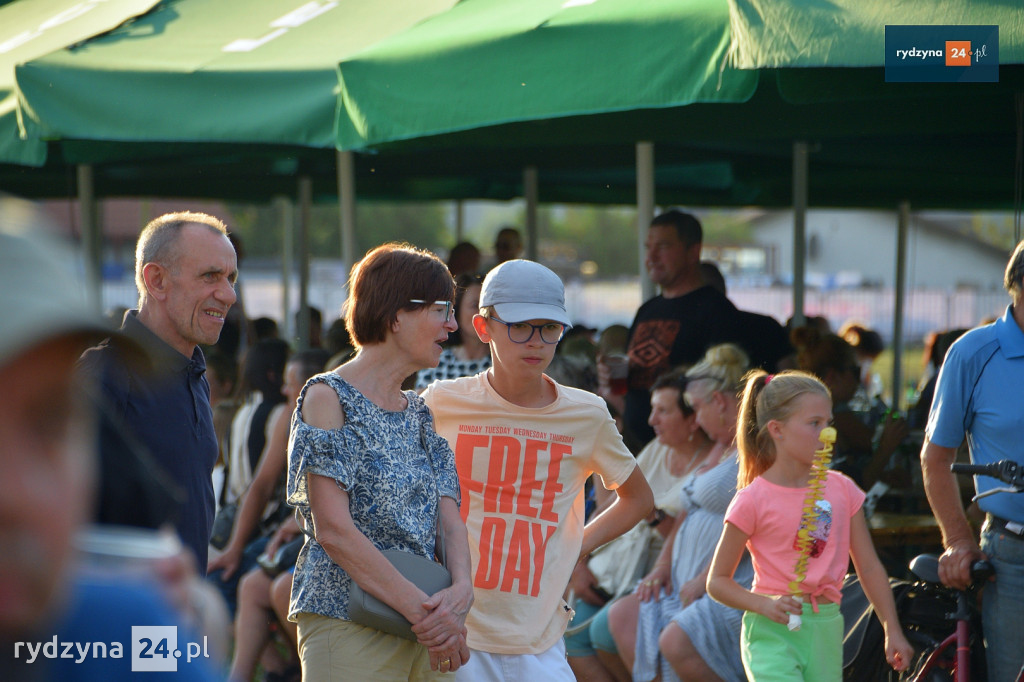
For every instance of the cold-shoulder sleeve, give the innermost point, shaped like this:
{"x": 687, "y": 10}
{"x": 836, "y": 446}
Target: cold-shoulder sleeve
{"x": 313, "y": 450}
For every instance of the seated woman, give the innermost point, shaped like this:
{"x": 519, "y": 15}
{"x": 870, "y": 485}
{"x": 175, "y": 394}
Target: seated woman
{"x": 261, "y": 405}
{"x": 669, "y": 626}
{"x": 680, "y": 448}
{"x": 834, "y": 361}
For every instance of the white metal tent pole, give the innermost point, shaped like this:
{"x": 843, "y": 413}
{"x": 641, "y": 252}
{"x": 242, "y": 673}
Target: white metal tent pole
{"x": 644, "y": 211}
{"x": 92, "y": 235}
{"x": 347, "y": 205}
{"x": 897, "y": 314}
{"x": 286, "y": 214}
{"x": 799, "y": 229}
{"x": 305, "y": 205}
{"x": 530, "y": 193}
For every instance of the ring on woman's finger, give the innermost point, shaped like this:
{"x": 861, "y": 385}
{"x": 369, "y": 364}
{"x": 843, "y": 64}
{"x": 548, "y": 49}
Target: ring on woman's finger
{"x": 447, "y": 662}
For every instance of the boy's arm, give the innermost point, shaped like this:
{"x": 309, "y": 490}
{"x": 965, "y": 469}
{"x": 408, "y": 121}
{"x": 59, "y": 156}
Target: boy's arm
{"x": 875, "y": 582}
{"x": 723, "y": 588}
{"x": 634, "y": 500}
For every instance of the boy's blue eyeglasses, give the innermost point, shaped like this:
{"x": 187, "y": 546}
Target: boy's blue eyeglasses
{"x": 447, "y": 306}
{"x": 521, "y": 332}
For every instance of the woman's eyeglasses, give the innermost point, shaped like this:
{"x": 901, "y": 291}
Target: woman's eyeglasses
{"x": 447, "y": 306}
{"x": 521, "y": 332}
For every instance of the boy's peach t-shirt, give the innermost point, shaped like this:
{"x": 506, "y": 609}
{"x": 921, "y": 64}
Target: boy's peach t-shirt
{"x": 522, "y": 472}
{"x": 772, "y": 515}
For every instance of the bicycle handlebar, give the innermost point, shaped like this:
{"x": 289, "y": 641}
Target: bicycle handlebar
{"x": 1007, "y": 471}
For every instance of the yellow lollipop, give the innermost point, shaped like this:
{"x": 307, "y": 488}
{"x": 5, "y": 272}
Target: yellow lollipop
{"x": 816, "y": 490}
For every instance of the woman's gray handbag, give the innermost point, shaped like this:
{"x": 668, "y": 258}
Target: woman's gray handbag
{"x": 429, "y": 576}
{"x": 365, "y": 609}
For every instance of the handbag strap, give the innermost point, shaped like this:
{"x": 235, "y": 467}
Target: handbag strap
{"x": 439, "y": 548}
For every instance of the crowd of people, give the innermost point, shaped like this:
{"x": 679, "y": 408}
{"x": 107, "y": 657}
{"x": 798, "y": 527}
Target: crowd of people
{"x": 666, "y": 517}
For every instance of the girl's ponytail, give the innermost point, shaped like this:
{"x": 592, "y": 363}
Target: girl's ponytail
{"x": 753, "y": 460}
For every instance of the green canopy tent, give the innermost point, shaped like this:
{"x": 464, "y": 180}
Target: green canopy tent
{"x": 557, "y": 84}
{"x": 222, "y": 98}
{"x": 233, "y": 82}
{"x": 33, "y": 29}
{"x": 570, "y": 87}
{"x": 961, "y": 131}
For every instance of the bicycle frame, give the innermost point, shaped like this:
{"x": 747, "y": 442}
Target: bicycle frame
{"x": 926, "y": 568}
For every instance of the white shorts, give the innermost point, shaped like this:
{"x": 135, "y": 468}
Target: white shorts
{"x": 547, "y": 666}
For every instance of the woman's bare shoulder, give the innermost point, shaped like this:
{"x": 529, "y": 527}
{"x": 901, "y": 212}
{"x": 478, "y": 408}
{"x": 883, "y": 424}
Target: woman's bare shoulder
{"x": 321, "y": 407}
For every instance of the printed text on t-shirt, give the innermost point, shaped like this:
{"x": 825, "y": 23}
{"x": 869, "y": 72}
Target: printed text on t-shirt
{"x": 500, "y": 472}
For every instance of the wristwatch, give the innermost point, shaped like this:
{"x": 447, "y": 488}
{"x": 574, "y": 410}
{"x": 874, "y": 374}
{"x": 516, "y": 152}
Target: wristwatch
{"x": 659, "y": 516}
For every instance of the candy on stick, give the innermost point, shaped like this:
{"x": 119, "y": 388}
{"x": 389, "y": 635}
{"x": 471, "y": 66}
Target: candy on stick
{"x": 816, "y": 490}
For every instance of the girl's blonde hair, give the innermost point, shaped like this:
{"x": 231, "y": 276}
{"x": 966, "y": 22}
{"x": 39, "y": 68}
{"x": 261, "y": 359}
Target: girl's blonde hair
{"x": 721, "y": 369}
{"x": 767, "y": 398}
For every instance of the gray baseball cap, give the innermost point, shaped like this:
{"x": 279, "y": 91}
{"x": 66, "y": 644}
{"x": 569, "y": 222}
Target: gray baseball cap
{"x": 523, "y": 290}
{"x": 40, "y": 296}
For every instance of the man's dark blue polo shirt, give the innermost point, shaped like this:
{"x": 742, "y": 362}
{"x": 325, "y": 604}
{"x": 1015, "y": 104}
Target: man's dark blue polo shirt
{"x": 166, "y": 408}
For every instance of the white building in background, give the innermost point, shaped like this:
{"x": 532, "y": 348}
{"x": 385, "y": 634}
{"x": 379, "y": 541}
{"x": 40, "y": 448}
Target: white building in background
{"x": 850, "y": 248}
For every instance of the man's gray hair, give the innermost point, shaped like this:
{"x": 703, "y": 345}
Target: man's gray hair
{"x": 158, "y": 239}
{"x": 1015, "y": 271}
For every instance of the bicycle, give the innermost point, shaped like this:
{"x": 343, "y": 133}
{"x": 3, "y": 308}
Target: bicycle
{"x": 926, "y": 568}
{"x": 926, "y": 608}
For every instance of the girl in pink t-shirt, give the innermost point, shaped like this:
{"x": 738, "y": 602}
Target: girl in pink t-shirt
{"x": 792, "y": 628}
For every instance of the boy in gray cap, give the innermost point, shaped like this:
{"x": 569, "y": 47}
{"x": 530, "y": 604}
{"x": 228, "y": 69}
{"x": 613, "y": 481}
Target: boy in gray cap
{"x": 524, "y": 447}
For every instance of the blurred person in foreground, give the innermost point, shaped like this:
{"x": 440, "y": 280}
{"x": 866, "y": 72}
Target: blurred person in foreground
{"x": 368, "y": 473}
{"x": 47, "y": 456}
{"x": 185, "y": 270}
{"x": 978, "y": 397}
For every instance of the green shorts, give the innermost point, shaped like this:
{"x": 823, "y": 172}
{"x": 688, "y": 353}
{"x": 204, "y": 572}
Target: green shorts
{"x": 772, "y": 653}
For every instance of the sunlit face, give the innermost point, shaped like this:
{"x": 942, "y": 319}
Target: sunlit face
{"x": 667, "y": 258}
{"x": 519, "y": 359}
{"x": 200, "y": 287}
{"x": 46, "y": 459}
{"x": 797, "y": 436}
{"x": 421, "y": 333}
{"x": 670, "y": 425}
{"x": 715, "y": 413}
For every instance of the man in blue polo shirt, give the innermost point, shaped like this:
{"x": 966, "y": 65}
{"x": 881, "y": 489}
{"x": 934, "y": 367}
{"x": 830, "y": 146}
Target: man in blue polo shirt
{"x": 978, "y": 396}
{"x": 185, "y": 269}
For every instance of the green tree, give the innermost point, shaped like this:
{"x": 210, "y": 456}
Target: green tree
{"x": 604, "y": 235}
